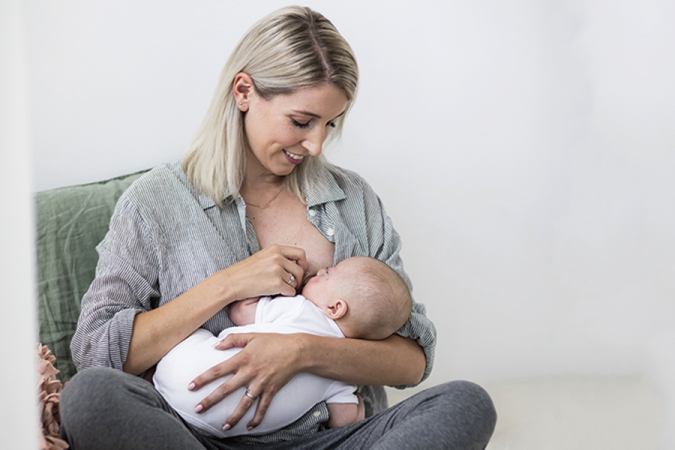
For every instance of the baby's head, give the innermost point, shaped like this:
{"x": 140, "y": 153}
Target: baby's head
{"x": 366, "y": 298}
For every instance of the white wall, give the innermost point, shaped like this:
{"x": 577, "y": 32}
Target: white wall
{"x": 18, "y": 331}
{"x": 524, "y": 150}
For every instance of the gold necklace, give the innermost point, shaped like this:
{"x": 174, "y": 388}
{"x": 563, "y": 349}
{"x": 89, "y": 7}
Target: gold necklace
{"x": 268, "y": 203}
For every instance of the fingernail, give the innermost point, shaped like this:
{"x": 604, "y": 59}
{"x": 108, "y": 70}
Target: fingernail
{"x": 249, "y": 428}
{"x": 226, "y": 427}
{"x": 191, "y": 387}
{"x": 198, "y": 408}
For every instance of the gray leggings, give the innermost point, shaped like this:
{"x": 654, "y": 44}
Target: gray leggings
{"x": 103, "y": 408}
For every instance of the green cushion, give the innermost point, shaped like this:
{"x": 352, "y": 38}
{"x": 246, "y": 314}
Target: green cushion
{"x": 71, "y": 221}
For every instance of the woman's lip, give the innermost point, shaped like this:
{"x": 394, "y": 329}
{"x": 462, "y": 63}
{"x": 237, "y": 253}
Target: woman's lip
{"x": 292, "y": 160}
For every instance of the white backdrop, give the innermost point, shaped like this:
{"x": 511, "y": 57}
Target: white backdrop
{"x": 18, "y": 306}
{"x": 524, "y": 150}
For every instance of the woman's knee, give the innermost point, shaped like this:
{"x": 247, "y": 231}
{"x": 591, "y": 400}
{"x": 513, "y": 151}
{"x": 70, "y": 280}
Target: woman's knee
{"x": 96, "y": 391}
{"x": 458, "y": 414}
{"x": 469, "y": 401}
{"x": 92, "y": 382}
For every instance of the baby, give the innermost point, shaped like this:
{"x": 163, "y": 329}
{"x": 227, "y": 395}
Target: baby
{"x": 360, "y": 298}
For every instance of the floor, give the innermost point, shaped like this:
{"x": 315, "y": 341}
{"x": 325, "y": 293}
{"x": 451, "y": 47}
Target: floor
{"x": 575, "y": 412}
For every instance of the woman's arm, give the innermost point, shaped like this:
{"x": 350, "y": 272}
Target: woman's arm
{"x": 392, "y": 361}
{"x": 157, "y": 331}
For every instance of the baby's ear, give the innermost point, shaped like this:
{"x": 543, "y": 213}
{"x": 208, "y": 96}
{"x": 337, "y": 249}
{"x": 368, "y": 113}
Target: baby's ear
{"x": 337, "y": 310}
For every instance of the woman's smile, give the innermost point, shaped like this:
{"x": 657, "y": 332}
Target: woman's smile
{"x": 293, "y": 158}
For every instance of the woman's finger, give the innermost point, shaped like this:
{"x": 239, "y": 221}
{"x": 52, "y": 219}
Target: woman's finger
{"x": 222, "y": 391}
{"x": 295, "y": 254}
{"x": 244, "y": 405}
{"x": 267, "y": 272}
{"x": 263, "y": 404}
{"x": 294, "y": 275}
{"x": 235, "y": 340}
{"x": 225, "y": 368}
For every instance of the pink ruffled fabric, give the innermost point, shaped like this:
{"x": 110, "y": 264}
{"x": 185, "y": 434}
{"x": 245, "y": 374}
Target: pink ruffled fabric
{"x": 49, "y": 391}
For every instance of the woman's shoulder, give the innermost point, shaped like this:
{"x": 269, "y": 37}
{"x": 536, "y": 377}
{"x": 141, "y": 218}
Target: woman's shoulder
{"x": 164, "y": 191}
{"x": 163, "y": 184}
{"x": 160, "y": 178}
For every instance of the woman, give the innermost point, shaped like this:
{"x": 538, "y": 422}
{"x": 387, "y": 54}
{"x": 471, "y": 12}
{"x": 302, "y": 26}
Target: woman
{"x": 254, "y": 210}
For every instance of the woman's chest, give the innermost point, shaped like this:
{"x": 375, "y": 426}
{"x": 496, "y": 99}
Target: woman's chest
{"x": 287, "y": 224}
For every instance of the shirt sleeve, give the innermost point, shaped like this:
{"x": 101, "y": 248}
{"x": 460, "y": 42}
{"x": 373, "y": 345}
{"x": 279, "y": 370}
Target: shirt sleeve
{"x": 125, "y": 285}
{"x": 386, "y": 246}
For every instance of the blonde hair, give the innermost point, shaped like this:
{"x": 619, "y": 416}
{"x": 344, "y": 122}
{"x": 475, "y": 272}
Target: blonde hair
{"x": 379, "y": 300}
{"x": 290, "y": 49}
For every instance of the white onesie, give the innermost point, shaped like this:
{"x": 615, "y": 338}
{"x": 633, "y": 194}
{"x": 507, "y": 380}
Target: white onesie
{"x": 196, "y": 354}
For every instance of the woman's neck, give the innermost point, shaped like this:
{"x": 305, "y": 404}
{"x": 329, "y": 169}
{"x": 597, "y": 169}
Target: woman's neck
{"x": 259, "y": 179}
{"x": 262, "y": 191}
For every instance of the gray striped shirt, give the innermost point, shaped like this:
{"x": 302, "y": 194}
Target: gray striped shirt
{"x": 165, "y": 238}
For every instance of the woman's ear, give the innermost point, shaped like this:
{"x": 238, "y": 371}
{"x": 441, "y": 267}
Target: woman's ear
{"x": 337, "y": 310}
{"x": 242, "y": 89}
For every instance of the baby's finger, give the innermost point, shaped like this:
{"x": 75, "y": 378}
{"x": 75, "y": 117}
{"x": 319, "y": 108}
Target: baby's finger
{"x": 244, "y": 405}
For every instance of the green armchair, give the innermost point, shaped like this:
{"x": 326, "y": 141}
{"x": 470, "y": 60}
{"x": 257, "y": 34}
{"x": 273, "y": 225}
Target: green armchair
{"x": 71, "y": 221}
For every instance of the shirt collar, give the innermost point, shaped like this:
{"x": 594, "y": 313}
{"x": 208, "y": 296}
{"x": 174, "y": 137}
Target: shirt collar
{"x": 326, "y": 190}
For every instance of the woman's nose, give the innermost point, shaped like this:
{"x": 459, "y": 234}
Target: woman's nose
{"x": 314, "y": 148}
{"x": 314, "y": 142}
{"x": 321, "y": 272}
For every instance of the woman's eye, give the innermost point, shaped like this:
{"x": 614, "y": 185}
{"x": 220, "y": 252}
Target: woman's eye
{"x": 299, "y": 125}
{"x": 331, "y": 124}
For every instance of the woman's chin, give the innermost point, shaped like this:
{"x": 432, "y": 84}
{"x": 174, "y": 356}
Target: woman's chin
{"x": 283, "y": 170}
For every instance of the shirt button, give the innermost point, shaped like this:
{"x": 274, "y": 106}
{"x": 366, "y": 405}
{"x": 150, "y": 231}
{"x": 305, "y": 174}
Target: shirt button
{"x": 316, "y": 413}
{"x": 330, "y": 232}
{"x": 312, "y": 213}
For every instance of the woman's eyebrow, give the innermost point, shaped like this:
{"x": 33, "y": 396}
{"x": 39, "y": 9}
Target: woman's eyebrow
{"x": 311, "y": 114}
{"x": 306, "y": 113}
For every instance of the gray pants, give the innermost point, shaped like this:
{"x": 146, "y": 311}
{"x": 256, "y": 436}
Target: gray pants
{"x": 103, "y": 408}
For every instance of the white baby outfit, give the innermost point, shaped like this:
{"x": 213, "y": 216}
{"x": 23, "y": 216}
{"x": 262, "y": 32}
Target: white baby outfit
{"x": 196, "y": 354}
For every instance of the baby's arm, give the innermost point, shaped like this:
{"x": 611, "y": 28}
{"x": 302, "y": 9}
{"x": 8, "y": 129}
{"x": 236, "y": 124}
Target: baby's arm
{"x": 342, "y": 414}
{"x": 243, "y": 311}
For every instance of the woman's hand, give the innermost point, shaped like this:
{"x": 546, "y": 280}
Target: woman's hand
{"x": 267, "y": 272}
{"x": 266, "y": 363}
{"x": 275, "y": 270}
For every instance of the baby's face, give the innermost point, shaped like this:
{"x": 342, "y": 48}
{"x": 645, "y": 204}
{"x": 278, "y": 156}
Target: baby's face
{"x": 327, "y": 284}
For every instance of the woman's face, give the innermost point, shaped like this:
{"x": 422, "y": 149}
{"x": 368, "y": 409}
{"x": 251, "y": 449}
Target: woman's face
{"x": 286, "y": 129}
